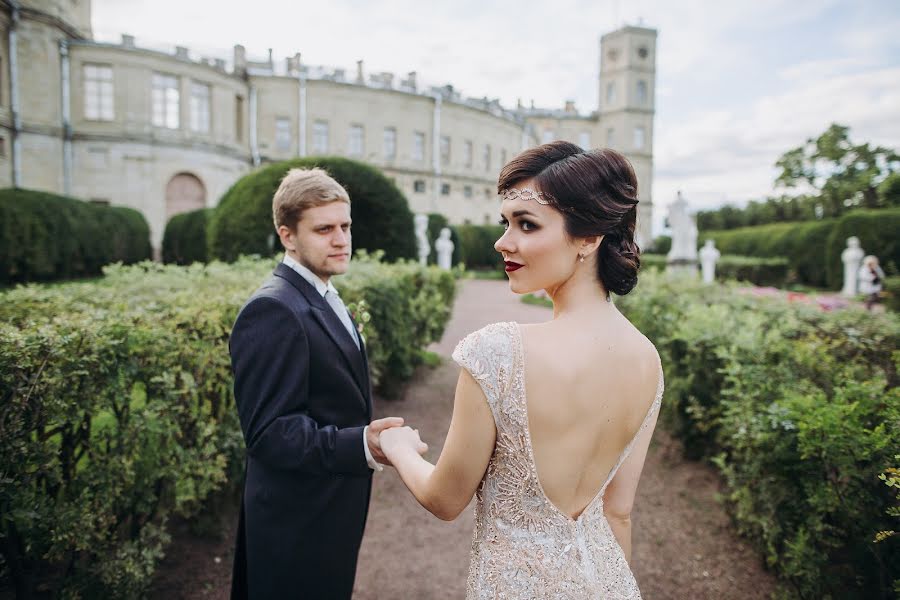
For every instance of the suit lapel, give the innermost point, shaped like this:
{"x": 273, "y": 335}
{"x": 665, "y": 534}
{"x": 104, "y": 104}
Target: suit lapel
{"x": 332, "y": 325}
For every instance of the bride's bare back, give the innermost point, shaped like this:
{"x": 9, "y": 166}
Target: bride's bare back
{"x": 588, "y": 387}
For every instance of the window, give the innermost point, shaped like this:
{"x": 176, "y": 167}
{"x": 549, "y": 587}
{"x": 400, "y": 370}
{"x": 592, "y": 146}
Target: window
{"x": 467, "y": 154}
{"x": 199, "y": 107}
{"x": 610, "y": 137}
{"x": 638, "y": 137}
{"x": 642, "y": 92}
{"x": 610, "y": 92}
{"x": 467, "y": 191}
{"x": 282, "y": 134}
{"x": 487, "y": 157}
{"x": 320, "y": 137}
{"x": 239, "y": 118}
{"x": 356, "y": 140}
{"x": 166, "y": 100}
{"x": 2, "y": 147}
{"x": 445, "y": 189}
{"x": 547, "y": 136}
{"x": 419, "y": 186}
{"x": 98, "y": 92}
{"x": 584, "y": 140}
{"x": 100, "y": 201}
{"x": 390, "y": 143}
{"x": 445, "y": 150}
{"x": 419, "y": 146}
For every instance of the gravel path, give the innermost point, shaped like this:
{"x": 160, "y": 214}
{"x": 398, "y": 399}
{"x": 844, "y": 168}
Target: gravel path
{"x": 684, "y": 544}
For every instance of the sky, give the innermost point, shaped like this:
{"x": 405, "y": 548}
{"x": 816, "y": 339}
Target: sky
{"x": 738, "y": 82}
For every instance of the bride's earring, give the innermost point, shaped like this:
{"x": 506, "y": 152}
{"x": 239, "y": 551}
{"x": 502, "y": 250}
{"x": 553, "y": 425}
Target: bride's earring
{"x": 580, "y": 257}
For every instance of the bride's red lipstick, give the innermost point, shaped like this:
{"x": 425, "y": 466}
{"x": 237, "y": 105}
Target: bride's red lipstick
{"x": 512, "y": 266}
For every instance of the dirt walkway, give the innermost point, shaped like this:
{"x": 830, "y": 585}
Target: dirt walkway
{"x": 684, "y": 545}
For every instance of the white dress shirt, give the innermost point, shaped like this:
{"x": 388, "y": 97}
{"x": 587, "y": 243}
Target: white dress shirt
{"x": 322, "y": 288}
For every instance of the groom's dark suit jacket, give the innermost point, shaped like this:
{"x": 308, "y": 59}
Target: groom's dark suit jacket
{"x": 303, "y": 396}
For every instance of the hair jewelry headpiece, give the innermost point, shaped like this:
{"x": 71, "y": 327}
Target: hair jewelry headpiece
{"x": 528, "y": 194}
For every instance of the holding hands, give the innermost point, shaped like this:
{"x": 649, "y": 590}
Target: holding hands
{"x": 377, "y": 438}
{"x": 397, "y": 440}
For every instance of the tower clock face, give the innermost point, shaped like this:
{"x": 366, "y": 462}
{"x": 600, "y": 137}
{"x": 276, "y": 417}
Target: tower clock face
{"x": 643, "y": 52}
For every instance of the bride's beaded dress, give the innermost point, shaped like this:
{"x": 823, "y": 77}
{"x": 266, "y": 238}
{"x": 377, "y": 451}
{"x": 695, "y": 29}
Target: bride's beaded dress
{"x": 524, "y": 547}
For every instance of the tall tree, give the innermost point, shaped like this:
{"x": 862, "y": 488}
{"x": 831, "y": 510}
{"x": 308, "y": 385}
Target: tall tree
{"x": 844, "y": 174}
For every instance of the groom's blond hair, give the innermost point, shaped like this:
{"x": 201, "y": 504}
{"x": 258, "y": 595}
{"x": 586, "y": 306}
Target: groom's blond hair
{"x": 302, "y": 189}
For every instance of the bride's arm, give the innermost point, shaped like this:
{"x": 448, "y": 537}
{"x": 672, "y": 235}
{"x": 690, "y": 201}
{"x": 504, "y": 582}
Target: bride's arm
{"x": 445, "y": 489}
{"x": 618, "y": 499}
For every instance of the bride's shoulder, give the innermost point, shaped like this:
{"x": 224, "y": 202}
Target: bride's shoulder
{"x": 494, "y": 339}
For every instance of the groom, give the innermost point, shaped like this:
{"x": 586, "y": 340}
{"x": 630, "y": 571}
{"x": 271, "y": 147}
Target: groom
{"x": 304, "y": 399}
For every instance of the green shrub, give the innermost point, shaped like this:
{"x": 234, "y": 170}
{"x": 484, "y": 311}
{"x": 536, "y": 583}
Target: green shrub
{"x": 879, "y": 234}
{"x": 661, "y": 245}
{"x": 800, "y": 409}
{"x": 242, "y": 222}
{"x": 184, "y": 241}
{"x": 892, "y": 293}
{"x": 118, "y": 410}
{"x": 758, "y": 271}
{"x": 477, "y": 246}
{"x": 45, "y": 237}
{"x": 436, "y": 222}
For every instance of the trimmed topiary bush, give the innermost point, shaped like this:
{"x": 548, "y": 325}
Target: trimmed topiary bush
{"x": 477, "y": 246}
{"x": 45, "y": 236}
{"x": 184, "y": 241}
{"x": 242, "y": 223}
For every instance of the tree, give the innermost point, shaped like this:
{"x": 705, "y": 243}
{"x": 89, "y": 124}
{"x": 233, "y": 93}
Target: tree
{"x": 844, "y": 174}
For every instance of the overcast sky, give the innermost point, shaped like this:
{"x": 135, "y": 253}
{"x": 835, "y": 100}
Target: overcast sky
{"x": 738, "y": 82}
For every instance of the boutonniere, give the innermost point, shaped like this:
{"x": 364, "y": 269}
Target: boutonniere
{"x": 359, "y": 311}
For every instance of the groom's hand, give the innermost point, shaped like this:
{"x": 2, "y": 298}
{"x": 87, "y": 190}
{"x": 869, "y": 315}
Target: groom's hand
{"x": 373, "y": 436}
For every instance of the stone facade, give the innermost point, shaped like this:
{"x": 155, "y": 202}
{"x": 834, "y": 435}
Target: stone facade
{"x": 164, "y": 132}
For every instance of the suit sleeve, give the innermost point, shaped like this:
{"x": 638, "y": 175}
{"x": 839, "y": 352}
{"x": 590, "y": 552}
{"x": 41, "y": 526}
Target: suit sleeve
{"x": 270, "y": 360}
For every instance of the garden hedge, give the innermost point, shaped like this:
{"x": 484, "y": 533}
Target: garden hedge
{"x": 800, "y": 410}
{"x": 184, "y": 241}
{"x": 477, "y": 246}
{"x": 242, "y": 222}
{"x": 45, "y": 236}
{"x": 813, "y": 248}
{"x": 116, "y": 407}
{"x": 758, "y": 271}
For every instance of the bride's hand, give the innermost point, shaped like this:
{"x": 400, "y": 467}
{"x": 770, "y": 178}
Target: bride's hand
{"x": 395, "y": 439}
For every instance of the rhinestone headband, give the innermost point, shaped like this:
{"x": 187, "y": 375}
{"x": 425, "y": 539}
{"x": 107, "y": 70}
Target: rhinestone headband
{"x": 528, "y": 194}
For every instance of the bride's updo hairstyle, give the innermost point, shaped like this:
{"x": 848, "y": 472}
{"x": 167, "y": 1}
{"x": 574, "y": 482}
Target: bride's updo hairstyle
{"x": 596, "y": 192}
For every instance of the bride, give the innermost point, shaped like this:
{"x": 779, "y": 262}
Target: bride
{"x": 551, "y": 421}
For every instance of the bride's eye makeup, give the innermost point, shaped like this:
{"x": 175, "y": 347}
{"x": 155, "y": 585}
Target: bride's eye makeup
{"x": 524, "y": 224}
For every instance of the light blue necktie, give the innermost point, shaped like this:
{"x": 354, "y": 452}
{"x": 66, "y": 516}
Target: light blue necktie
{"x": 337, "y": 305}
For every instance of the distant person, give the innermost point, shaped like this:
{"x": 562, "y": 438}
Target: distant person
{"x": 301, "y": 382}
{"x": 871, "y": 280}
{"x": 551, "y": 422}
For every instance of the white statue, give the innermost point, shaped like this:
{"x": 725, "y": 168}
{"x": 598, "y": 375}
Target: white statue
{"x": 444, "y": 247}
{"x": 709, "y": 255}
{"x": 852, "y": 257}
{"x": 683, "y": 255}
{"x": 421, "y": 223}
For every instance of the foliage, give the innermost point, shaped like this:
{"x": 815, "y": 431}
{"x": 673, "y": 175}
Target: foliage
{"x": 242, "y": 222}
{"x": 843, "y": 176}
{"x": 116, "y": 407}
{"x": 436, "y": 222}
{"x": 813, "y": 249}
{"x": 879, "y": 234}
{"x": 477, "y": 246}
{"x": 892, "y": 293}
{"x": 758, "y": 271}
{"x": 661, "y": 245}
{"x": 800, "y": 410}
{"x": 184, "y": 241}
{"x": 45, "y": 237}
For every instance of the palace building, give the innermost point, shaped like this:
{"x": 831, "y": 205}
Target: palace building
{"x": 168, "y": 132}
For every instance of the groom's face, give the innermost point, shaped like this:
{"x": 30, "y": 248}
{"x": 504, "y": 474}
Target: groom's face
{"x": 322, "y": 239}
